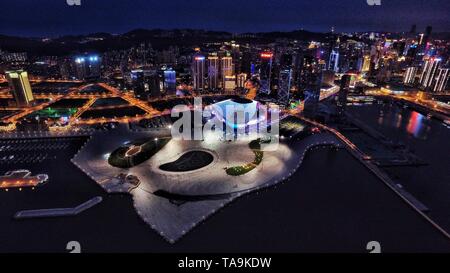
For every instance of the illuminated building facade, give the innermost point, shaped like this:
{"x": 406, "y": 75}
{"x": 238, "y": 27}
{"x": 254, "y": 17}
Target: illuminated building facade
{"x": 343, "y": 94}
{"x": 334, "y": 61}
{"x": 441, "y": 82}
{"x": 229, "y": 83}
{"x": 265, "y": 72}
{"x": 198, "y": 72}
{"x": 284, "y": 85}
{"x": 227, "y": 66}
{"x": 312, "y": 95}
{"x": 170, "y": 82}
{"x": 410, "y": 75}
{"x": 241, "y": 79}
{"x": 146, "y": 83}
{"x": 429, "y": 71}
{"x": 88, "y": 67}
{"x": 20, "y": 87}
{"x": 366, "y": 64}
{"x": 213, "y": 72}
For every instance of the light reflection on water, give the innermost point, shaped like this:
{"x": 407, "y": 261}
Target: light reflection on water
{"x": 412, "y": 122}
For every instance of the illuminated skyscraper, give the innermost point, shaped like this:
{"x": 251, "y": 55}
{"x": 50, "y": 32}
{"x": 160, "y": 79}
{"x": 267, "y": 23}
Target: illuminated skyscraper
{"x": 20, "y": 87}
{"x": 334, "y": 61}
{"x": 246, "y": 62}
{"x": 241, "y": 79}
{"x": 198, "y": 72}
{"x": 226, "y": 68}
{"x": 88, "y": 67}
{"x": 343, "y": 94}
{"x": 170, "y": 82}
{"x": 410, "y": 75}
{"x": 429, "y": 72}
{"x": 213, "y": 72}
{"x": 441, "y": 82}
{"x": 284, "y": 85}
{"x": 229, "y": 83}
{"x": 265, "y": 72}
{"x": 312, "y": 95}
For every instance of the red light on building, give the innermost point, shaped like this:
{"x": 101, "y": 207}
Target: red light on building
{"x": 267, "y": 55}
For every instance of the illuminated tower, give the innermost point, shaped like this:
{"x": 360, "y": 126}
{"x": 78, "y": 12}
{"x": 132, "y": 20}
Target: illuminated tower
{"x": 198, "y": 72}
{"x": 284, "y": 85}
{"x": 20, "y": 87}
{"x": 429, "y": 72}
{"x": 213, "y": 72}
{"x": 265, "y": 72}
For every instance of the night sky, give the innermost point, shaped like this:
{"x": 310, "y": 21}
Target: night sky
{"x": 56, "y": 18}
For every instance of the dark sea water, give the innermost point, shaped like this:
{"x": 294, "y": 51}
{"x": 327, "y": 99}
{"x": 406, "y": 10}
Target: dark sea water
{"x": 332, "y": 203}
{"x": 427, "y": 138}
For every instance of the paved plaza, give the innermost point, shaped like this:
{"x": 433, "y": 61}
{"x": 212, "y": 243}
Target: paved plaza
{"x": 191, "y": 196}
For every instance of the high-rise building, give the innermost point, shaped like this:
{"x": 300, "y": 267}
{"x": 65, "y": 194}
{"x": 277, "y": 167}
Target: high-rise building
{"x": 427, "y": 36}
{"x": 265, "y": 72}
{"x": 88, "y": 67}
{"x": 138, "y": 84}
{"x": 284, "y": 85}
{"x": 423, "y": 41}
{"x": 410, "y": 75}
{"x": 198, "y": 72}
{"x": 226, "y": 68}
{"x": 343, "y": 94}
{"x": 229, "y": 83}
{"x": 213, "y": 72}
{"x": 170, "y": 81}
{"x": 14, "y": 57}
{"x": 146, "y": 83}
{"x": 441, "y": 82}
{"x": 246, "y": 62}
{"x": 20, "y": 87}
{"x": 312, "y": 95}
{"x": 333, "y": 64}
{"x": 241, "y": 79}
{"x": 429, "y": 72}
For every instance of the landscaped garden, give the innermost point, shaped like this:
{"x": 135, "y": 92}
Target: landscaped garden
{"x": 255, "y": 146}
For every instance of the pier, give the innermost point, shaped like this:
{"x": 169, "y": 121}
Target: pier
{"x": 59, "y": 212}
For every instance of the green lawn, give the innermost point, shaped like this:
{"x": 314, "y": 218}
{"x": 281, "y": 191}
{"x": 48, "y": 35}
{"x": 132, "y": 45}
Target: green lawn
{"x": 255, "y": 146}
